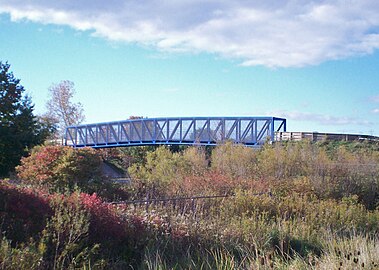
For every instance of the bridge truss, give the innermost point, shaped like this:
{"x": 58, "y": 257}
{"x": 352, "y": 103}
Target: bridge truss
{"x": 252, "y": 131}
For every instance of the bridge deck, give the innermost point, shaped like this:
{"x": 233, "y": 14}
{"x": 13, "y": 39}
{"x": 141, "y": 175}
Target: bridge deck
{"x": 252, "y": 131}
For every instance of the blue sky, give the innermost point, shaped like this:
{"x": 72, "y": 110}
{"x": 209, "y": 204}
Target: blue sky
{"x": 314, "y": 63}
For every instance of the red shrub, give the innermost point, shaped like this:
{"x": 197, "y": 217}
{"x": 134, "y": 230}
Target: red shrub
{"x": 58, "y": 168}
{"x": 23, "y": 212}
{"x": 38, "y": 169}
{"x": 104, "y": 222}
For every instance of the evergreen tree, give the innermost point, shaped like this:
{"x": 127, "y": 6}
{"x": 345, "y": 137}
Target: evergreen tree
{"x": 19, "y": 128}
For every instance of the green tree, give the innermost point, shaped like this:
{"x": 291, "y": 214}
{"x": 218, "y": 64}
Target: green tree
{"x": 19, "y": 128}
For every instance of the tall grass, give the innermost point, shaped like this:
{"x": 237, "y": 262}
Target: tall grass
{"x": 290, "y": 206}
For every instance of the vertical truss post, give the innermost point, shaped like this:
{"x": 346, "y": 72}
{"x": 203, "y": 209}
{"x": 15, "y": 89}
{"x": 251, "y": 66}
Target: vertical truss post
{"x": 181, "y": 131}
{"x": 64, "y": 139}
{"x": 255, "y": 131}
{"x": 209, "y": 130}
{"x": 194, "y": 130}
{"x": 154, "y": 130}
{"x": 168, "y": 130}
{"x": 97, "y": 134}
{"x": 107, "y": 133}
{"x": 185, "y": 130}
{"x": 223, "y": 129}
{"x": 118, "y": 132}
{"x": 76, "y": 136}
{"x": 86, "y": 137}
{"x": 143, "y": 131}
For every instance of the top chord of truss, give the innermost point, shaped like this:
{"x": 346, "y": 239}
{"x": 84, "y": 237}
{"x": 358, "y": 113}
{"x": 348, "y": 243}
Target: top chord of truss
{"x": 252, "y": 131}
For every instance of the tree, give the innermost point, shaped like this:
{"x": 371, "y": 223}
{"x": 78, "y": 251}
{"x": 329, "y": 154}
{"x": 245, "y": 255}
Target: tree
{"x": 61, "y": 108}
{"x": 19, "y": 128}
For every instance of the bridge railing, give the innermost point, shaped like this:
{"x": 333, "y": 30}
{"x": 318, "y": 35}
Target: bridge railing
{"x": 252, "y": 131}
{"x": 317, "y": 136}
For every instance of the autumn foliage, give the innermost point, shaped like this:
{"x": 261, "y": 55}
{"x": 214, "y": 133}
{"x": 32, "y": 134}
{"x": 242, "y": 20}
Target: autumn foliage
{"x": 60, "y": 168}
{"x": 66, "y": 228}
{"x": 23, "y": 211}
{"x": 288, "y": 206}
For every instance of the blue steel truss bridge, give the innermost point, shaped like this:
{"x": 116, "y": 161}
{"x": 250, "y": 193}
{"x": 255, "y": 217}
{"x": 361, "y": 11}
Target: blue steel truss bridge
{"x": 251, "y": 131}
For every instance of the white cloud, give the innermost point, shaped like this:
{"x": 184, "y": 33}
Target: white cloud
{"x": 375, "y": 110}
{"x": 322, "y": 119}
{"x": 271, "y": 33}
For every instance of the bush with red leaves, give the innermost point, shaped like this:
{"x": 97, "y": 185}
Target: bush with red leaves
{"x": 23, "y": 212}
{"x": 119, "y": 235}
{"x": 105, "y": 224}
{"x": 60, "y": 168}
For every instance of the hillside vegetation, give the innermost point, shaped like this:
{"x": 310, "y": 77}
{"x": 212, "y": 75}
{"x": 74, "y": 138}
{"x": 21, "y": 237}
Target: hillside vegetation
{"x": 286, "y": 206}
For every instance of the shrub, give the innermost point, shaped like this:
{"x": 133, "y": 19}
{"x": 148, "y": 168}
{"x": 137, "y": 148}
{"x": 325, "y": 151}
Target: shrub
{"x": 332, "y": 174}
{"x": 316, "y": 214}
{"x": 348, "y": 173}
{"x": 284, "y": 161}
{"x": 15, "y": 258}
{"x": 195, "y": 161}
{"x": 64, "y": 243}
{"x": 235, "y": 161}
{"x": 164, "y": 171}
{"x": 23, "y": 212}
{"x": 105, "y": 224}
{"x": 61, "y": 168}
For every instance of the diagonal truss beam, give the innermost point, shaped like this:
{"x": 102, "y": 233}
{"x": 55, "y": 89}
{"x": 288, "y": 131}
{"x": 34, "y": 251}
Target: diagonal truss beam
{"x": 251, "y": 131}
